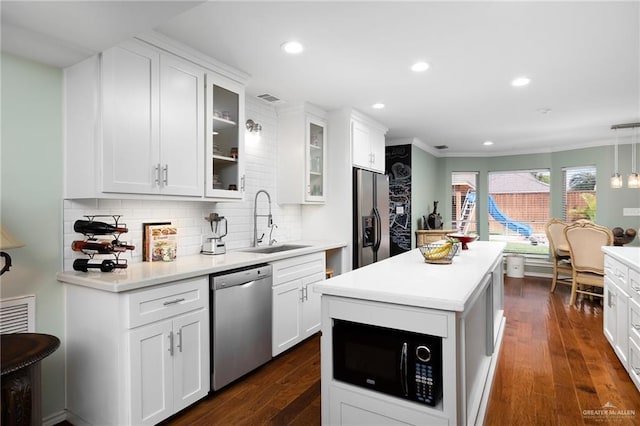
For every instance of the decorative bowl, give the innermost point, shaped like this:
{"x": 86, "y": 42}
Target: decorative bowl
{"x": 439, "y": 251}
{"x": 464, "y": 239}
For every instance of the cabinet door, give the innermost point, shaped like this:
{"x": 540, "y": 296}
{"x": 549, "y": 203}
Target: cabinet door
{"x": 378, "y": 158}
{"x": 181, "y": 127}
{"x": 316, "y": 180}
{"x": 610, "y": 317}
{"x": 622, "y": 327}
{"x": 286, "y": 316}
{"x": 151, "y": 373}
{"x": 225, "y": 133}
{"x": 191, "y": 361}
{"x": 130, "y": 150}
{"x": 360, "y": 145}
{"x": 311, "y": 305}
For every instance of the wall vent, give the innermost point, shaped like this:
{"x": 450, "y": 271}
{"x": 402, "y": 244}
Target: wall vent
{"x": 270, "y": 98}
{"x": 18, "y": 314}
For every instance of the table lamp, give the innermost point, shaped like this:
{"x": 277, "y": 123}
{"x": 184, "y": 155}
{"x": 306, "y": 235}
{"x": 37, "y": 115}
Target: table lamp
{"x": 7, "y": 241}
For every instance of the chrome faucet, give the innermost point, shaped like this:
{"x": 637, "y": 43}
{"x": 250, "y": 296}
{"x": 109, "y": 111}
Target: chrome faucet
{"x": 256, "y": 215}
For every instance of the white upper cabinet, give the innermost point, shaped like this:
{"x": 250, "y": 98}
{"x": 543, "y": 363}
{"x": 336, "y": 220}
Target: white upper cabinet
{"x": 153, "y": 122}
{"x": 368, "y": 144}
{"x": 138, "y": 122}
{"x": 302, "y": 155}
{"x": 224, "y": 167}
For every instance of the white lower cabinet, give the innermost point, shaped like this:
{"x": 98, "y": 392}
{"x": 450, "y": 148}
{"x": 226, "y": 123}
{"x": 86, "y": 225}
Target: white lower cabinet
{"x": 136, "y": 357}
{"x": 296, "y": 307}
{"x": 621, "y": 322}
{"x": 166, "y": 360}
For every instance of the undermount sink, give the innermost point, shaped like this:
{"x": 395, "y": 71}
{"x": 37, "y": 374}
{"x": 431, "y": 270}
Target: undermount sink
{"x": 273, "y": 249}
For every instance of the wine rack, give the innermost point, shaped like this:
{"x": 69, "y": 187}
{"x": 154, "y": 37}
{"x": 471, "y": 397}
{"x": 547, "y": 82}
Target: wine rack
{"x": 92, "y": 246}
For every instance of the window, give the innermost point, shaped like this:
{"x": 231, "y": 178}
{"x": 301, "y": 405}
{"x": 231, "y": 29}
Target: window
{"x": 518, "y": 208}
{"x": 463, "y": 202}
{"x": 579, "y": 193}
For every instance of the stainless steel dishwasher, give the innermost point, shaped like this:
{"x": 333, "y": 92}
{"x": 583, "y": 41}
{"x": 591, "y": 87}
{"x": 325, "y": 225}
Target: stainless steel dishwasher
{"x": 241, "y": 322}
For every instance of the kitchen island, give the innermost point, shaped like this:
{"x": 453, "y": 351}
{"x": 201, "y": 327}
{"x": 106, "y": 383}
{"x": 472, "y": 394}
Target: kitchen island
{"x": 461, "y": 304}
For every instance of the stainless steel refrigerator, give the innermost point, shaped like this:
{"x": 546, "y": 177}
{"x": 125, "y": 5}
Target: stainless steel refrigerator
{"x": 371, "y": 217}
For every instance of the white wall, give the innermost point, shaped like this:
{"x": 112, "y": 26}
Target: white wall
{"x": 260, "y": 170}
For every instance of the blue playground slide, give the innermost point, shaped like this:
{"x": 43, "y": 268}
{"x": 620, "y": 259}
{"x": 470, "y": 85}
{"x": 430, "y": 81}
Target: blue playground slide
{"x": 519, "y": 227}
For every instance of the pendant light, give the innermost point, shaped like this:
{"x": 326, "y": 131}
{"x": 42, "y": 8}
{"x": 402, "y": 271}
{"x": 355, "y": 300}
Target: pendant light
{"x": 616, "y": 179}
{"x": 633, "y": 180}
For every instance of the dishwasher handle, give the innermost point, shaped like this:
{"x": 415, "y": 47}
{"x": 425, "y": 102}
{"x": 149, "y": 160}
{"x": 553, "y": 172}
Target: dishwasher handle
{"x": 239, "y": 277}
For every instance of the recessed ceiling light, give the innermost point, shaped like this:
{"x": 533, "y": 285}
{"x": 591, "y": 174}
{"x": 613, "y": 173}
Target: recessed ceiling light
{"x": 377, "y": 105}
{"x": 419, "y": 67}
{"x": 521, "y": 81}
{"x": 292, "y": 47}
{"x": 487, "y": 143}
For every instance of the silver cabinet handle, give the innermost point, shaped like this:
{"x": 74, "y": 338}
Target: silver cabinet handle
{"x": 180, "y": 340}
{"x": 636, "y": 326}
{"x": 171, "y": 343}
{"x": 157, "y": 170}
{"x": 242, "y": 179}
{"x": 165, "y": 172}
{"x": 173, "y": 302}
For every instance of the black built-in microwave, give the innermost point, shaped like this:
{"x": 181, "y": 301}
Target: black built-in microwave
{"x": 394, "y": 362}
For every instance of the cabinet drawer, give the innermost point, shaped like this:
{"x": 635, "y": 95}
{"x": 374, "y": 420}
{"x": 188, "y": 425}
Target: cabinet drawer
{"x": 298, "y": 267}
{"x": 157, "y": 303}
{"x": 634, "y": 363}
{"x": 634, "y": 284}
{"x": 618, "y": 272}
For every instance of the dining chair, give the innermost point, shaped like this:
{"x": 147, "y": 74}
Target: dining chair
{"x": 586, "y": 240}
{"x": 558, "y": 252}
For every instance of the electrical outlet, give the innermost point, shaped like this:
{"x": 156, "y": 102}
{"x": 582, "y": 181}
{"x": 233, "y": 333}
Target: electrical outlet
{"x": 631, "y": 211}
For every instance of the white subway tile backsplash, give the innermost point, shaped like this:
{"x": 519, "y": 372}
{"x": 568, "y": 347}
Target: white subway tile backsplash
{"x": 188, "y": 216}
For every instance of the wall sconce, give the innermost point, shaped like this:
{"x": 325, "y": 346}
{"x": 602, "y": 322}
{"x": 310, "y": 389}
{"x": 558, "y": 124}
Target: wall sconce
{"x": 253, "y": 127}
{"x": 7, "y": 241}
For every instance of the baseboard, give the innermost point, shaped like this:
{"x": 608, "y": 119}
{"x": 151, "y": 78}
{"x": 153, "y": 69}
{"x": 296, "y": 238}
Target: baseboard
{"x": 54, "y": 419}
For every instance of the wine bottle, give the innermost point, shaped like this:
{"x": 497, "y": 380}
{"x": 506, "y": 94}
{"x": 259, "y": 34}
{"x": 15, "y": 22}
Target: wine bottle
{"x": 92, "y": 227}
{"x": 101, "y": 247}
{"x": 105, "y": 266}
{"x": 123, "y": 245}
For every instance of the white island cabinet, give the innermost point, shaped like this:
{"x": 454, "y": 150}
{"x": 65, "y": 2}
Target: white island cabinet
{"x": 460, "y": 303}
{"x": 621, "y": 319}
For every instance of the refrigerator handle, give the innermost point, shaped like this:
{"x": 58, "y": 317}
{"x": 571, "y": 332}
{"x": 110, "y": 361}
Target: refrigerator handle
{"x": 376, "y": 213}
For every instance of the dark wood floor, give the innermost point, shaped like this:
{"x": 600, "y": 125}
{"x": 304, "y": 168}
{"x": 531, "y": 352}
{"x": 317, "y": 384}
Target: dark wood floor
{"x": 555, "y": 368}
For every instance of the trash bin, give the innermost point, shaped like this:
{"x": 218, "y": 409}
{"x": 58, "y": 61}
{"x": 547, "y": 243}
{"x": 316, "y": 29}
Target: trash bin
{"x": 515, "y": 266}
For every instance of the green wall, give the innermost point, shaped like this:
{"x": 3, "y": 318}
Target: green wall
{"x": 31, "y": 203}
{"x": 610, "y": 201}
{"x": 425, "y": 181}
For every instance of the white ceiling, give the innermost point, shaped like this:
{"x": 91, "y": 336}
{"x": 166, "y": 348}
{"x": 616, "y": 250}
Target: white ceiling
{"x": 583, "y": 59}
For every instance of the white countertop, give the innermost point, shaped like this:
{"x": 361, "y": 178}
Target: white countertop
{"x": 145, "y": 274}
{"x": 627, "y": 255}
{"x": 407, "y": 280}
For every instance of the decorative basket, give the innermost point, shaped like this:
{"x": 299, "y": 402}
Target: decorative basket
{"x": 440, "y": 252}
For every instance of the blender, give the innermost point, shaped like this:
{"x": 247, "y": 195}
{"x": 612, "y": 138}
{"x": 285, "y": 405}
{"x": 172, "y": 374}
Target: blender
{"x": 214, "y": 243}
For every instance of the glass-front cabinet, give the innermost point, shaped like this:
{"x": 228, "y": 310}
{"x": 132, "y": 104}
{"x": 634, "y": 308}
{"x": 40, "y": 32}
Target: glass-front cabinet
{"x": 224, "y": 172}
{"x": 302, "y": 155}
{"x": 315, "y": 160}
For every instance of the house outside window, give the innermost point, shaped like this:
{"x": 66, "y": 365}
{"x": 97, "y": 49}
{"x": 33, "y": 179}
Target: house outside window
{"x": 579, "y": 193}
{"x": 463, "y": 205}
{"x": 518, "y": 207}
